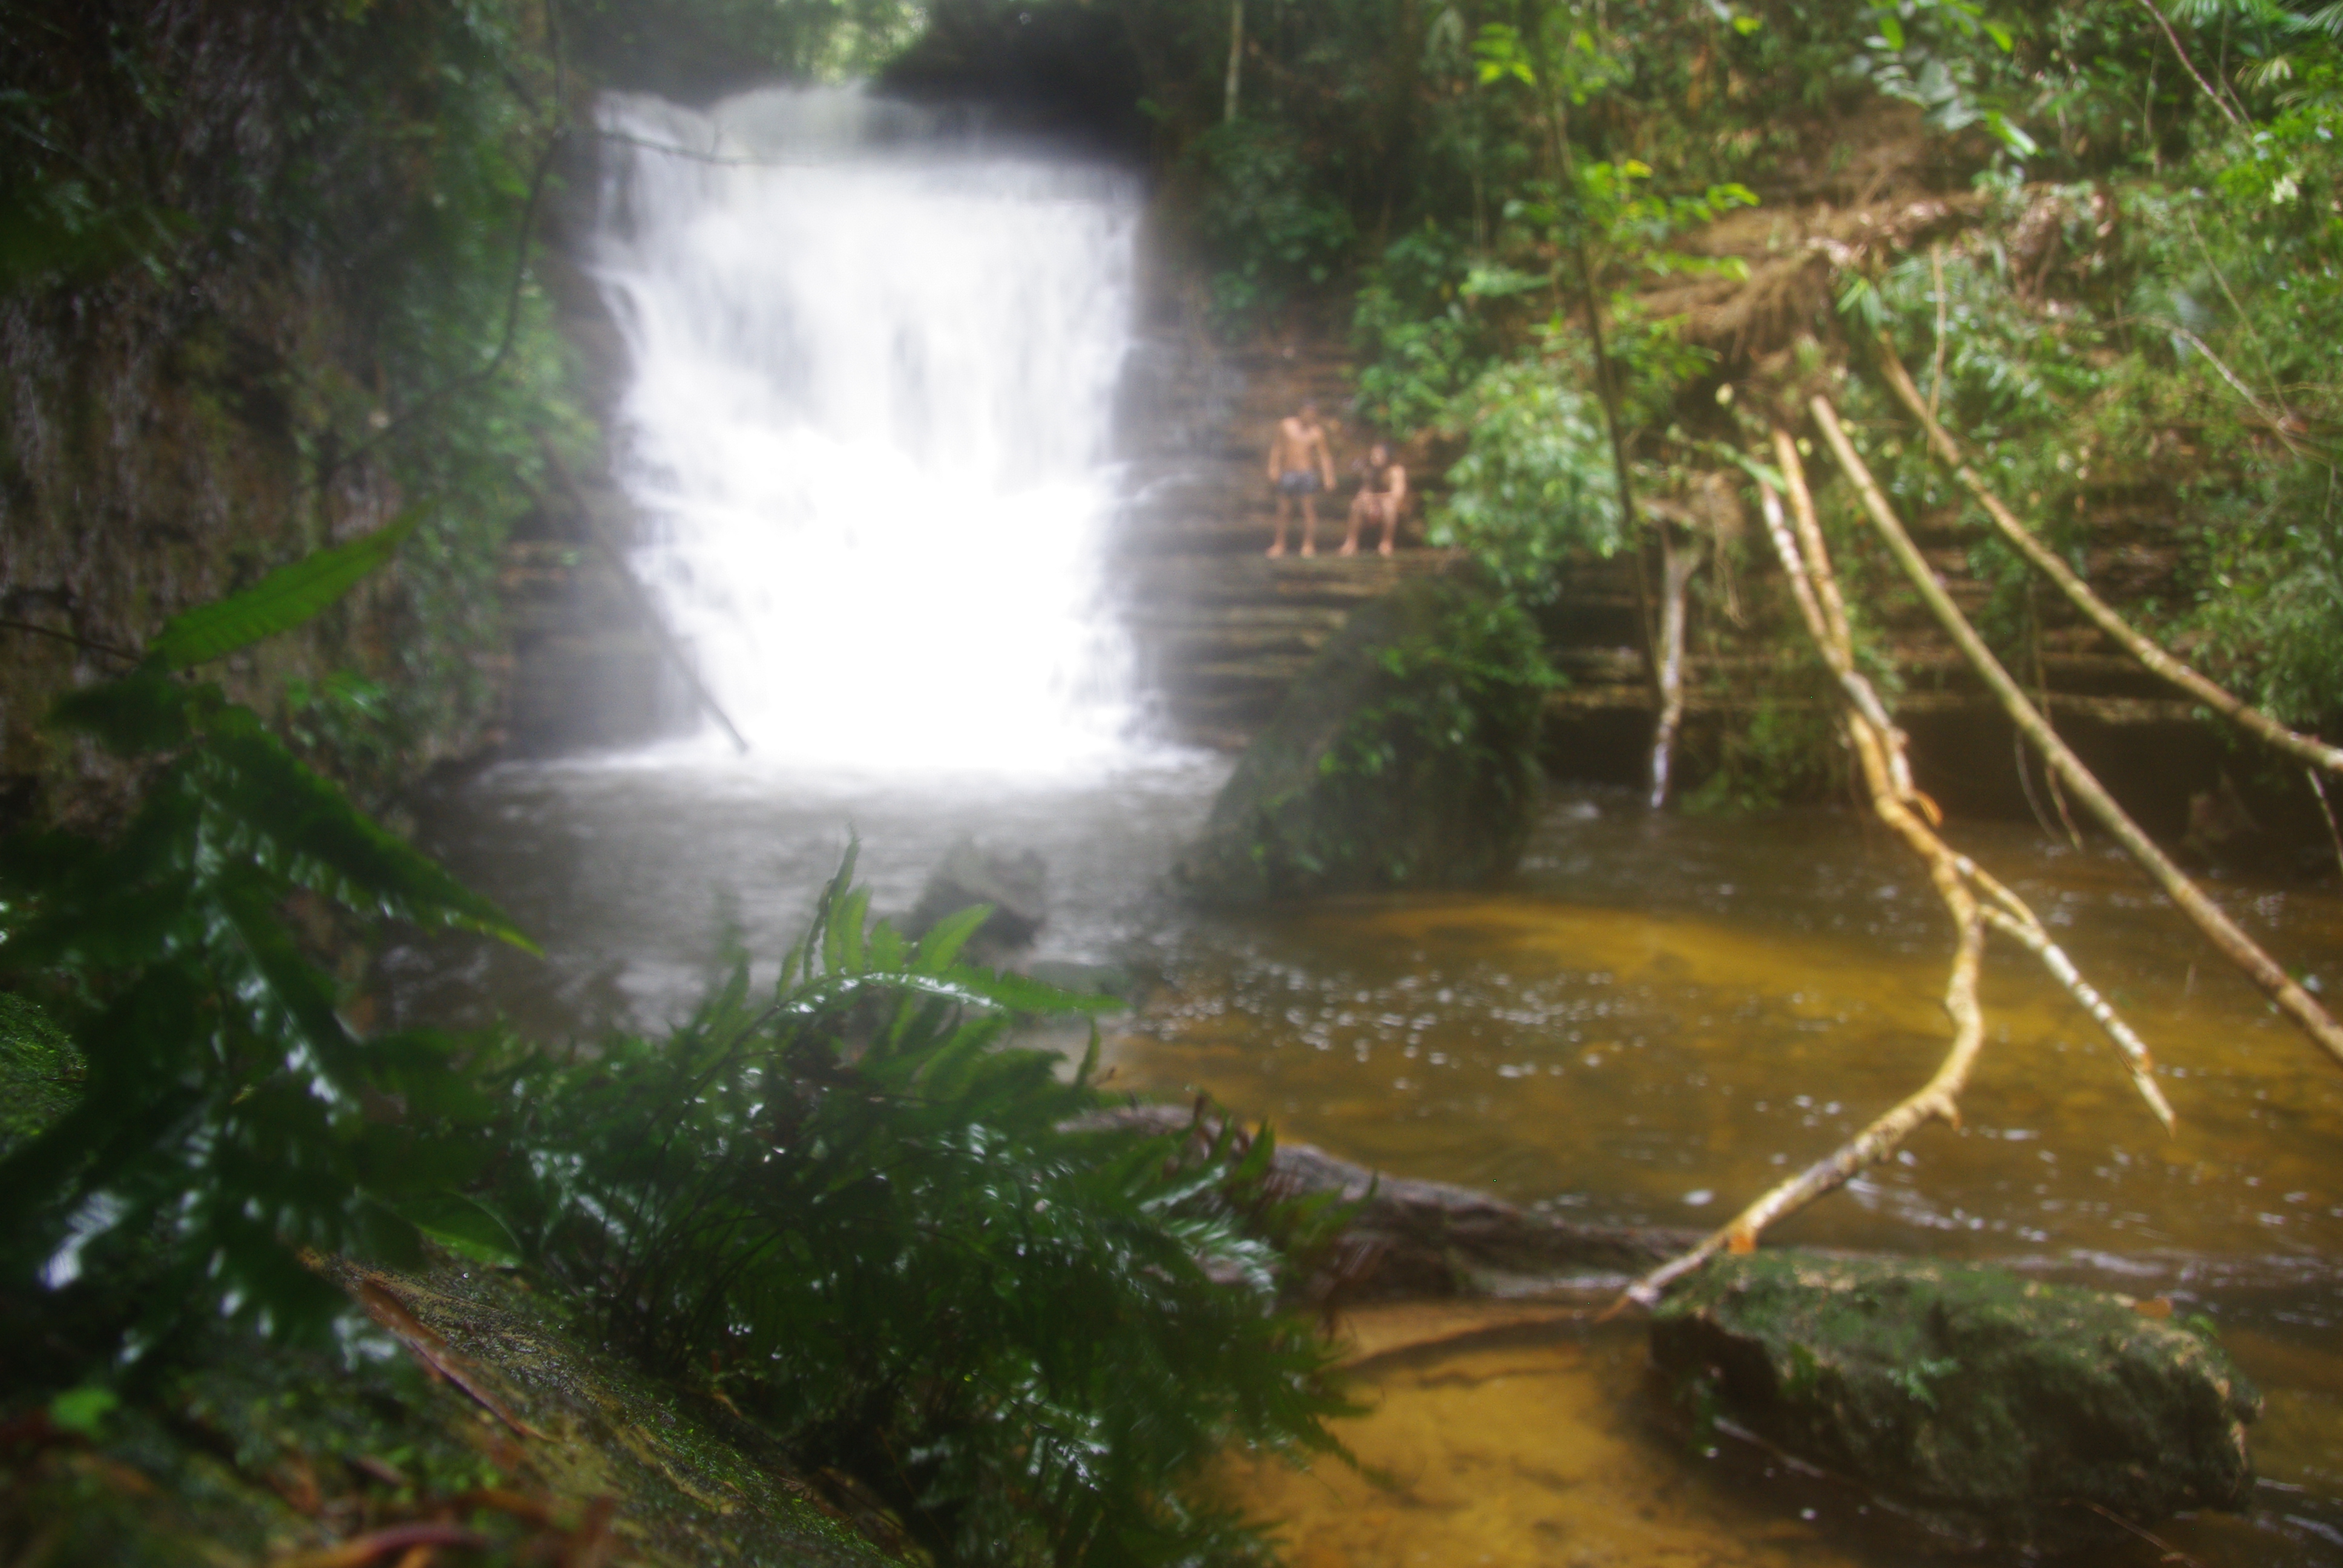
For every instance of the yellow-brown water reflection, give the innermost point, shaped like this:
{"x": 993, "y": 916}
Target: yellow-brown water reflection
{"x": 1654, "y": 1065}
{"x": 1661, "y": 1018}
{"x": 1499, "y": 1438}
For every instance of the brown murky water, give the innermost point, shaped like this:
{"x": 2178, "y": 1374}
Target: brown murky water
{"x": 1656, "y": 1020}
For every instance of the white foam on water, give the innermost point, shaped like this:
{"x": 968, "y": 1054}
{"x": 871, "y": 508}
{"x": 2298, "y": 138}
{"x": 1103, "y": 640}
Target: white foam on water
{"x": 869, "y": 427}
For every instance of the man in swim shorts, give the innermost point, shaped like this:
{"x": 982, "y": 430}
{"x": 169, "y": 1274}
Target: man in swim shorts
{"x": 1300, "y": 466}
{"x": 1383, "y": 496}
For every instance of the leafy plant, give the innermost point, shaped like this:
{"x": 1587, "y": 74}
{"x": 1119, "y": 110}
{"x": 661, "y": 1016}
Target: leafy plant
{"x": 897, "y": 1237}
{"x": 1536, "y": 484}
{"x": 1422, "y": 329}
{"x": 41, "y": 1073}
{"x": 1923, "y": 52}
{"x": 1270, "y": 224}
{"x": 883, "y": 1228}
{"x": 227, "y": 1115}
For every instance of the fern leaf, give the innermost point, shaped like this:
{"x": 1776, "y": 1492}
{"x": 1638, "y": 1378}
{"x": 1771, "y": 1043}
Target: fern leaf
{"x": 145, "y": 711}
{"x": 945, "y": 939}
{"x": 850, "y": 924}
{"x": 281, "y": 601}
{"x": 261, "y": 801}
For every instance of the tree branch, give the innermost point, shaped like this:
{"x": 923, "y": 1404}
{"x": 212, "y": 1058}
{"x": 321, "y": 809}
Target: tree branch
{"x": 2190, "y": 66}
{"x": 2222, "y": 931}
{"x": 90, "y": 644}
{"x": 2306, "y": 748}
{"x": 1974, "y": 899}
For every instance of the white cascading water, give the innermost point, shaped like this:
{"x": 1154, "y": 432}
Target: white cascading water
{"x": 874, "y": 381}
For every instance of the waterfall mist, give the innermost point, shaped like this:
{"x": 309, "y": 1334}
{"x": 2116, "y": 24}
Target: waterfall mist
{"x": 869, "y": 426}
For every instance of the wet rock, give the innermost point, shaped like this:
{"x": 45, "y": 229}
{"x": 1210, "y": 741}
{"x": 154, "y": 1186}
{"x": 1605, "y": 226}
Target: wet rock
{"x": 1403, "y": 757}
{"x": 2000, "y": 1410}
{"x": 1015, "y": 885}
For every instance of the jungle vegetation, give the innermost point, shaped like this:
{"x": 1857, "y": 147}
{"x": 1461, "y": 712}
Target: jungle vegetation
{"x": 1584, "y": 253}
{"x": 1581, "y": 248}
{"x": 849, "y": 1206}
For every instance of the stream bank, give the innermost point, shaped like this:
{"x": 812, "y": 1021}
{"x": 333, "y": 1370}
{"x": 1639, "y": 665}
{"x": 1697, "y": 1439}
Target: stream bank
{"x": 1645, "y": 1025}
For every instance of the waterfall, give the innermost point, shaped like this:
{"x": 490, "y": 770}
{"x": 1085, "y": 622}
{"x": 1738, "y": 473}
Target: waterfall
{"x": 874, "y": 370}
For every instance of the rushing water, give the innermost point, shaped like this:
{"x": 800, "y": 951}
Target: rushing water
{"x": 874, "y": 371}
{"x": 872, "y": 376}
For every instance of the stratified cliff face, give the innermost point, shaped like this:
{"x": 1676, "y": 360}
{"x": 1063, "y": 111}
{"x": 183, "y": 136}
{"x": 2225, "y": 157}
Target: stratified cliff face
{"x": 242, "y": 248}
{"x": 150, "y": 443}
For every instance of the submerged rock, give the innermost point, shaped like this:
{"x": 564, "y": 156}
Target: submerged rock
{"x": 1998, "y": 1409}
{"x": 1403, "y": 757}
{"x": 1013, "y": 884}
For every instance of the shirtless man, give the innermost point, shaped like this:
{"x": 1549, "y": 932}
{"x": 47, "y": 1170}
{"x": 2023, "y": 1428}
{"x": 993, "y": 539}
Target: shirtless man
{"x": 1300, "y": 466}
{"x": 1383, "y": 496}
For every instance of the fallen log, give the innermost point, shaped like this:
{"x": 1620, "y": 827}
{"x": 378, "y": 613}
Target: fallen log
{"x": 1413, "y": 1238}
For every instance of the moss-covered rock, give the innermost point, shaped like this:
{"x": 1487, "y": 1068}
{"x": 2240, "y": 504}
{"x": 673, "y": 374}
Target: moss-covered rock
{"x": 1998, "y": 1410}
{"x": 40, "y": 1071}
{"x": 1404, "y": 757}
{"x": 241, "y": 1451}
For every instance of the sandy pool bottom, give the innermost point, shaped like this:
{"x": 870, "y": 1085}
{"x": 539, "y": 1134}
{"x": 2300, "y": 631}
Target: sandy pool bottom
{"x": 1518, "y": 1434}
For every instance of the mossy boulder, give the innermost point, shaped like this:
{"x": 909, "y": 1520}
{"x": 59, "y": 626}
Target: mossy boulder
{"x": 232, "y": 1449}
{"x": 1015, "y": 885}
{"x": 2001, "y": 1410}
{"x": 1404, "y": 756}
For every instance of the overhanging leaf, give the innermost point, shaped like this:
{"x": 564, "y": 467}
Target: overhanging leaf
{"x": 262, "y": 805}
{"x": 464, "y": 1226}
{"x": 279, "y": 601}
{"x": 947, "y": 937}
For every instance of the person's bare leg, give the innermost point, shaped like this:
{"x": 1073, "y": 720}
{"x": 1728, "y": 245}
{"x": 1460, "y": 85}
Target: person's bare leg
{"x": 1309, "y": 525}
{"x": 1284, "y": 515}
{"x": 1391, "y": 526}
{"x": 1358, "y": 517}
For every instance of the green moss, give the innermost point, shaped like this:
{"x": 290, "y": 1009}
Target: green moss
{"x": 1403, "y": 758}
{"x": 242, "y": 1449}
{"x": 1984, "y": 1402}
{"x": 40, "y": 1071}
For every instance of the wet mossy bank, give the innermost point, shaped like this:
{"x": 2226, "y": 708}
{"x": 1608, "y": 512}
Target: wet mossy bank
{"x": 245, "y": 1451}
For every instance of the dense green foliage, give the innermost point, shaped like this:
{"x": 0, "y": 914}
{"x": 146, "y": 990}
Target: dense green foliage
{"x": 304, "y": 238}
{"x": 1535, "y": 488}
{"x": 226, "y": 1116}
{"x": 1268, "y": 232}
{"x": 890, "y": 1229}
{"x": 2158, "y": 338}
{"x": 2137, "y": 303}
{"x": 855, "y": 1207}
